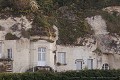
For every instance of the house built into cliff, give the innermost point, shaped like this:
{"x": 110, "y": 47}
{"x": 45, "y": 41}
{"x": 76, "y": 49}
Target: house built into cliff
{"x": 24, "y": 55}
{"x": 98, "y": 51}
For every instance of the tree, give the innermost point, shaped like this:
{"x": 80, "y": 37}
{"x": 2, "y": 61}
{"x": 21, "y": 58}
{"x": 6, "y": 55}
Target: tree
{"x": 20, "y": 4}
{"x": 4, "y": 4}
{"x": 24, "y": 5}
{"x": 46, "y": 6}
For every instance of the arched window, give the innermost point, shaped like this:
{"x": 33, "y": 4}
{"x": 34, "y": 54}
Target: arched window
{"x": 105, "y": 66}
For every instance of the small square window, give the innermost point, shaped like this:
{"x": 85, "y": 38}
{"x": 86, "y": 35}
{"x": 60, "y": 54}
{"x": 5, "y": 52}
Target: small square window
{"x": 105, "y": 66}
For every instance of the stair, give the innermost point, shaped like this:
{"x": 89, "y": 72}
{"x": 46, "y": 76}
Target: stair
{"x": 9, "y": 68}
{"x": 47, "y": 68}
{"x": 7, "y": 65}
{"x": 40, "y": 68}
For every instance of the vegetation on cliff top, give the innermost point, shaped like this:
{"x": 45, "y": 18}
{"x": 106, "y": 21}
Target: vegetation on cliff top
{"x": 68, "y": 15}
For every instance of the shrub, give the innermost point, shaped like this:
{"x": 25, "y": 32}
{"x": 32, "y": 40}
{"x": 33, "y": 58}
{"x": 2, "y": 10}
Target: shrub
{"x": 10, "y": 36}
{"x": 112, "y": 21}
{"x": 20, "y": 4}
{"x": 70, "y": 75}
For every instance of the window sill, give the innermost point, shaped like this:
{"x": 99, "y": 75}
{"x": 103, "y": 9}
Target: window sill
{"x": 59, "y": 64}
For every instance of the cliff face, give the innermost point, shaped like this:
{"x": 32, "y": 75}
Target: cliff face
{"x": 15, "y": 25}
{"x": 106, "y": 42}
{"x": 75, "y": 22}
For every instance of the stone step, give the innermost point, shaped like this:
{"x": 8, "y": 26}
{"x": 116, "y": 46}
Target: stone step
{"x": 9, "y": 70}
{"x": 37, "y": 68}
{"x": 47, "y": 68}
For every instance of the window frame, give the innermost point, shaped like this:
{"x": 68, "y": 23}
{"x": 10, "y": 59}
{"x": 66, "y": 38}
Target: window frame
{"x": 9, "y": 52}
{"x": 61, "y": 58}
{"x": 41, "y": 54}
{"x": 105, "y": 66}
{"x": 91, "y": 64}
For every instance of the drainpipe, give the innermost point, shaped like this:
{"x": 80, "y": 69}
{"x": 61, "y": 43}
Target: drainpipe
{"x": 33, "y": 69}
{"x": 55, "y": 58}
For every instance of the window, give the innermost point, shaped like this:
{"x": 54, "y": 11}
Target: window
{"x": 9, "y": 53}
{"x": 41, "y": 54}
{"x": 90, "y": 63}
{"x": 62, "y": 57}
{"x": 105, "y": 66}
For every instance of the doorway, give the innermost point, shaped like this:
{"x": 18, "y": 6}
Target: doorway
{"x": 79, "y": 63}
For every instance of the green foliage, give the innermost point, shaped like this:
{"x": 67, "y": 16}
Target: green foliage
{"x": 46, "y": 6}
{"x": 69, "y": 30}
{"x": 10, "y": 36}
{"x": 63, "y": 2}
{"x": 4, "y": 4}
{"x": 70, "y": 75}
{"x": 88, "y": 4}
{"x": 25, "y": 34}
{"x": 113, "y": 22}
{"x": 20, "y": 4}
{"x": 42, "y": 27}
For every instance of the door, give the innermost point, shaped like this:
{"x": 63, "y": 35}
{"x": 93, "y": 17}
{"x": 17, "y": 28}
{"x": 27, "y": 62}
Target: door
{"x": 41, "y": 56}
{"x": 79, "y": 63}
{"x": 90, "y": 63}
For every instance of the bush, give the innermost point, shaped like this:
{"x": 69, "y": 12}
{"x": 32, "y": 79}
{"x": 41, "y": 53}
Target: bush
{"x": 112, "y": 21}
{"x": 10, "y": 36}
{"x": 70, "y": 75}
{"x": 20, "y": 4}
